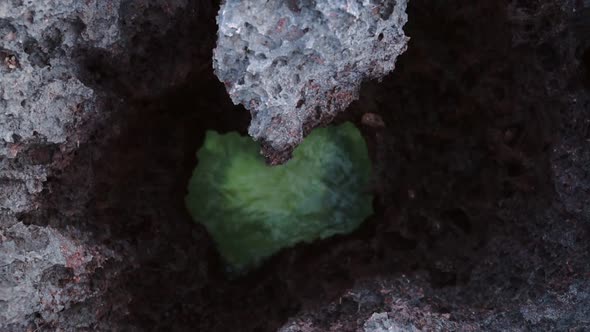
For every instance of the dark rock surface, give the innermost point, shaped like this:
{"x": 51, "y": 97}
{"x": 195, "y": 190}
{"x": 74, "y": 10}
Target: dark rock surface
{"x": 481, "y": 151}
{"x": 66, "y": 67}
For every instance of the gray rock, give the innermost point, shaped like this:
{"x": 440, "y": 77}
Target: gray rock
{"x": 296, "y": 63}
{"x": 102, "y": 245}
{"x": 53, "y": 96}
{"x": 42, "y": 101}
{"x": 42, "y": 271}
{"x": 381, "y": 322}
{"x": 43, "y": 104}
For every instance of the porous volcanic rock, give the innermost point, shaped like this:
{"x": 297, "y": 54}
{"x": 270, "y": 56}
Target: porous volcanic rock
{"x": 296, "y": 63}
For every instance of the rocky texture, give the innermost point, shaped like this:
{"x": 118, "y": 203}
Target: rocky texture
{"x": 312, "y": 198}
{"x": 358, "y": 309}
{"x": 40, "y": 98}
{"x": 480, "y": 146}
{"x": 515, "y": 210}
{"x": 45, "y": 272}
{"x": 296, "y": 63}
{"x": 57, "y": 87}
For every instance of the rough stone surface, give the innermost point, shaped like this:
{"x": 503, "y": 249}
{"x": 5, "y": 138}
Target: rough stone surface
{"x": 296, "y": 63}
{"x": 521, "y": 261}
{"x": 40, "y": 98}
{"x": 358, "y": 309}
{"x": 57, "y": 88}
{"x": 480, "y": 148}
{"x": 44, "y": 272}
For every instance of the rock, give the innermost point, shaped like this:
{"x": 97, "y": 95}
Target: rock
{"x": 57, "y": 83}
{"x": 92, "y": 164}
{"x": 296, "y": 63}
{"x": 381, "y": 322}
{"x": 43, "y": 271}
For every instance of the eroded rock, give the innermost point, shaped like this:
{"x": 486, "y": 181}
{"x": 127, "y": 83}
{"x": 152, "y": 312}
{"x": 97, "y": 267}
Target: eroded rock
{"x": 296, "y": 63}
{"x": 44, "y": 271}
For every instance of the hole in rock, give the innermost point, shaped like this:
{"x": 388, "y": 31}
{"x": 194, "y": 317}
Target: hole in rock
{"x": 127, "y": 185}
